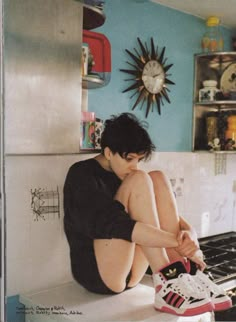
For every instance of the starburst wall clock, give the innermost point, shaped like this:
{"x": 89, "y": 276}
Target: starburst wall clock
{"x": 149, "y": 77}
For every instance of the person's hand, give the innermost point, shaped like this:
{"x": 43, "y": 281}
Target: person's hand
{"x": 188, "y": 246}
{"x": 199, "y": 260}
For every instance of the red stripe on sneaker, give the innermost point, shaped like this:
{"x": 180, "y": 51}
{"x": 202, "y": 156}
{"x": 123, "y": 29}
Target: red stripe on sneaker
{"x": 169, "y": 297}
{"x": 173, "y": 300}
{"x": 188, "y": 312}
{"x": 180, "y": 302}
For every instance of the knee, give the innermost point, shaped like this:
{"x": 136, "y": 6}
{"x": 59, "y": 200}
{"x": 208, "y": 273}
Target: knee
{"x": 157, "y": 176}
{"x": 138, "y": 176}
{"x": 134, "y": 182}
{"x": 117, "y": 286}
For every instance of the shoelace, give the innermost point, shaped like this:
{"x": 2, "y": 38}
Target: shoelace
{"x": 211, "y": 286}
{"x": 188, "y": 285}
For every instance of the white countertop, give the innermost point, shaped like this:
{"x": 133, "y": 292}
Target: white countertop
{"x": 70, "y": 302}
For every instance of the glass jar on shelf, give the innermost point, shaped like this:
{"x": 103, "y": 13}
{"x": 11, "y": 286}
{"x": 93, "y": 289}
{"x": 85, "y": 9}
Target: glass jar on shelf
{"x": 212, "y": 40}
{"x": 230, "y": 133}
{"x": 211, "y": 126}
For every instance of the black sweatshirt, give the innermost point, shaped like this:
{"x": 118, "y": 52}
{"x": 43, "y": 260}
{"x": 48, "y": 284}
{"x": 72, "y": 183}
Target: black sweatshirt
{"x": 89, "y": 208}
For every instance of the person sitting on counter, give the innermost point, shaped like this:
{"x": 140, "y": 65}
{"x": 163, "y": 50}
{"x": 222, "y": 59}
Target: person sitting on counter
{"x": 119, "y": 220}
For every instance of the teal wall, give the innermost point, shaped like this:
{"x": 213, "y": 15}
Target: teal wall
{"x": 180, "y": 33}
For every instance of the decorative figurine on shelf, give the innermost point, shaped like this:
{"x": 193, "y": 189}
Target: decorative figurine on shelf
{"x": 215, "y": 145}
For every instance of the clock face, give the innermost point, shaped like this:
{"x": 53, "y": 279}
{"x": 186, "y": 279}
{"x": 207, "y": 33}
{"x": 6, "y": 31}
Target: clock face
{"x": 149, "y": 77}
{"x": 153, "y": 76}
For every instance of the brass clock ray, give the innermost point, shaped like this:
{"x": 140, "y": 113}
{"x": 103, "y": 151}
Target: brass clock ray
{"x": 149, "y": 76}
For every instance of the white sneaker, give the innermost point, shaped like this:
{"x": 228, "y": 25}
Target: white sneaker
{"x": 217, "y": 294}
{"x": 177, "y": 292}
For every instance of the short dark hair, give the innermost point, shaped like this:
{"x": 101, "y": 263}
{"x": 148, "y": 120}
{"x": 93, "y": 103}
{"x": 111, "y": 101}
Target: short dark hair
{"x": 125, "y": 134}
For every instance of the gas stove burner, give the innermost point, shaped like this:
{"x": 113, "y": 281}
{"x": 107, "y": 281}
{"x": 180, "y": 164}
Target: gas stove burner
{"x": 219, "y": 252}
{"x": 229, "y": 248}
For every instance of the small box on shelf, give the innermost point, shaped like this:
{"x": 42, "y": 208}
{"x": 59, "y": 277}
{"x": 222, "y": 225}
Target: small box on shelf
{"x": 87, "y": 130}
{"x": 90, "y": 132}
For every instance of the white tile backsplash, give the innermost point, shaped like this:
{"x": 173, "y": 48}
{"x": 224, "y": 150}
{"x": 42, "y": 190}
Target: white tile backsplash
{"x": 19, "y": 275}
{"x": 40, "y": 244}
{"x": 45, "y": 237}
{"x": 37, "y": 251}
{"x": 207, "y": 199}
{"x": 18, "y": 241}
{"x": 49, "y": 271}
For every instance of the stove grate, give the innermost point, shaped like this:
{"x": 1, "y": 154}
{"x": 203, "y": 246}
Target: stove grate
{"x": 219, "y": 252}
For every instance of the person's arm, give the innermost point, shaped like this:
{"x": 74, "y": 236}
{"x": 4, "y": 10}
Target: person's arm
{"x": 150, "y": 236}
{"x": 188, "y": 243}
{"x": 187, "y": 238}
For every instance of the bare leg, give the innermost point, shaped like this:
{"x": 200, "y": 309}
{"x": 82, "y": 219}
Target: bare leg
{"x": 139, "y": 199}
{"x": 117, "y": 257}
{"x": 166, "y": 207}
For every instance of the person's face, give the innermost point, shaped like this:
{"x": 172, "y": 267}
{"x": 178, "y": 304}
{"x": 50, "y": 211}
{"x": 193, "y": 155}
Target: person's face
{"x": 123, "y": 166}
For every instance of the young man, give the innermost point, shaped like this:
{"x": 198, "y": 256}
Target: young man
{"x": 119, "y": 220}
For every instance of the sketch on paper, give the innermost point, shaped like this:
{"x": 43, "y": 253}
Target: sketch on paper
{"x": 45, "y": 204}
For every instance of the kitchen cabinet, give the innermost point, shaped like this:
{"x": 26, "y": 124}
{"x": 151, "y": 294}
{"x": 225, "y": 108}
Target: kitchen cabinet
{"x": 99, "y": 48}
{"x": 41, "y": 72}
{"x": 213, "y": 111}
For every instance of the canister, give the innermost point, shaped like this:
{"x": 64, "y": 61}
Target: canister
{"x": 211, "y": 125}
{"x": 208, "y": 92}
{"x": 212, "y": 40}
